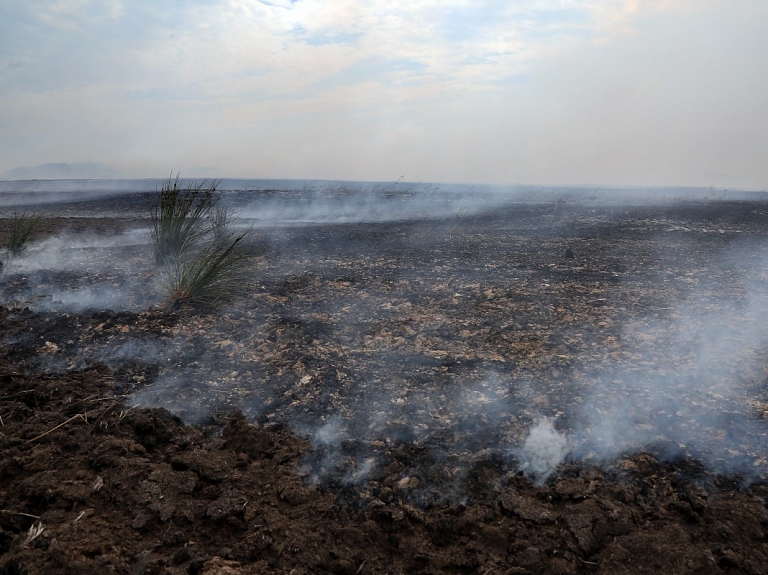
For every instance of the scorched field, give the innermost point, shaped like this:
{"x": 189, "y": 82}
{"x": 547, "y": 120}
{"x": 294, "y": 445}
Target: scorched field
{"x": 554, "y": 384}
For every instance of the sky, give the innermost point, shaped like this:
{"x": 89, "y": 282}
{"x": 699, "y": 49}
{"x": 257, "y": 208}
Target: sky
{"x": 550, "y": 92}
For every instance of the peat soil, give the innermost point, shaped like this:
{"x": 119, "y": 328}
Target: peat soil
{"x": 367, "y": 406}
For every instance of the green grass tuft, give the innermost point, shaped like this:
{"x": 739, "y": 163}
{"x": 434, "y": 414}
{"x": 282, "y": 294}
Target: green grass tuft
{"x": 181, "y": 218}
{"x": 216, "y": 274}
{"x": 205, "y": 263}
{"x": 21, "y": 226}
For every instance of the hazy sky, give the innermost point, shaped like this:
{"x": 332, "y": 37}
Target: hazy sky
{"x": 639, "y": 92}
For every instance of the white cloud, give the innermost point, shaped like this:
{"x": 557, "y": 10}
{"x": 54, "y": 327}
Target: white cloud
{"x": 625, "y": 91}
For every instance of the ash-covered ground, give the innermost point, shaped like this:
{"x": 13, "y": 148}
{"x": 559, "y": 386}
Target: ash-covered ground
{"x": 426, "y": 383}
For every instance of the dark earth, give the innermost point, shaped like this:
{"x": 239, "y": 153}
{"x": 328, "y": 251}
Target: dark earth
{"x": 361, "y": 409}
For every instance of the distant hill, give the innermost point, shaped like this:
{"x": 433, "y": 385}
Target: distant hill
{"x": 90, "y": 170}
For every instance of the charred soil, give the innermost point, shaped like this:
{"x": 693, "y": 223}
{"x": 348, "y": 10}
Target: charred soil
{"x": 362, "y": 410}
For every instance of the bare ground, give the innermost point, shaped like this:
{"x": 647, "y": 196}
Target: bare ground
{"x": 363, "y": 409}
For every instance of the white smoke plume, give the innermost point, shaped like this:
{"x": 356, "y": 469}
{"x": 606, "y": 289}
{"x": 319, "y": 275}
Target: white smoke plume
{"x": 72, "y": 272}
{"x": 543, "y": 450}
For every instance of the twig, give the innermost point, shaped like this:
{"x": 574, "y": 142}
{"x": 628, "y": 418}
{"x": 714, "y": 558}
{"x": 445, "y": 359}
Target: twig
{"x": 22, "y": 392}
{"x": 98, "y": 484}
{"x": 585, "y": 562}
{"x": 9, "y": 512}
{"x": 35, "y": 531}
{"x": 86, "y": 398}
{"x": 55, "y": 428}
{"x": 115, "y": 397}
{"x": 103, "y": 413}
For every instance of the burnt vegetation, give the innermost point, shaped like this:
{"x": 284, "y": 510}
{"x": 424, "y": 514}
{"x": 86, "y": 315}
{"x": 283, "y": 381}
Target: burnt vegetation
{"x": 363, "y": 406}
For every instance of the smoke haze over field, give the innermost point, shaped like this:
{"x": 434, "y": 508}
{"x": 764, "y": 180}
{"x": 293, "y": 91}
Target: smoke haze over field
{"x": 452, "y": 321}
{"x": 604, "y": 92}
{"x": 73, "y": 272}
{"x": 684, "y": 384}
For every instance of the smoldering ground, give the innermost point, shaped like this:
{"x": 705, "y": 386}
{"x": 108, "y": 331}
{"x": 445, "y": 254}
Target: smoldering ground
{"x": 416, "y": 354}
{"x": 73, "y": 272}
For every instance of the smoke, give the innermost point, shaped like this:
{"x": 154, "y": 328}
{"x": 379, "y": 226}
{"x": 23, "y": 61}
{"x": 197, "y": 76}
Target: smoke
{"x": 360, "y": 473}
{"x": 390, "y": 360}
{"x": 543, "y": 450}
{"x": 353, "y": 205}
{"x": 326, "y": 460}
{"x": 67, "y": 251}
{"x": 329, "y": 434}
{"x": 70, "y": 272}
{"x": 179, "y": 391}
{"x": 684, "y": 383}
{"x": 197, "y": 379}
{"x": 87, "y": 298}
{"x": 351, "y": 202}
{"x": 691, "y": 399}
{"x": 53, "y": 194}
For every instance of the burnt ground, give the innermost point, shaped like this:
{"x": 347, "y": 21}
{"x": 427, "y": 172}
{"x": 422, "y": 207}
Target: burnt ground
{"x": 365, "y": 407}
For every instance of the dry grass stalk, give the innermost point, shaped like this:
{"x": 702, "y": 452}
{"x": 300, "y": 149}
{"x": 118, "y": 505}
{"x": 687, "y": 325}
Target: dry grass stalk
{"x": 60, "y": 425}
{"x": 98, "y": 484}
{"x": 111, "y": 406}
{"x": 9, "y": 512}
{"x": 35, "y": 531}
